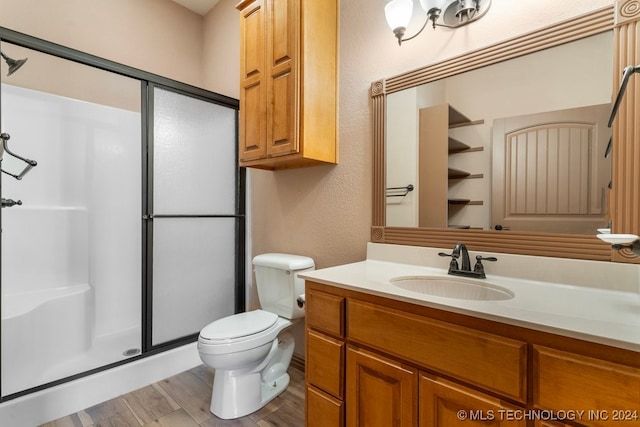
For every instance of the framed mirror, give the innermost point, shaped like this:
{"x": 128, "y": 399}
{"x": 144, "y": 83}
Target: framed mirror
{"x": 599, "y": 26}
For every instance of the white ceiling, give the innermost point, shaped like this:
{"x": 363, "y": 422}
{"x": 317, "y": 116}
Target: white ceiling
{"x": 201, "y": 7}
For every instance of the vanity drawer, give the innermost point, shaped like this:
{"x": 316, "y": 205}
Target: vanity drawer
{"x": 325, "y": 361}
{"x": 494, "y": 363}
{"x": 325, "y": 312}
{"x": 323, "y": 410}
{"x": 565, "y": 381}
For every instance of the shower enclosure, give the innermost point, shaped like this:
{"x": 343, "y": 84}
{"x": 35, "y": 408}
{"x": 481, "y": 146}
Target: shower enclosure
{"x": 127, "y": 237}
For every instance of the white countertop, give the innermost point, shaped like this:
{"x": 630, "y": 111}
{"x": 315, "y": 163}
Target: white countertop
{"x": 609, "y": 317}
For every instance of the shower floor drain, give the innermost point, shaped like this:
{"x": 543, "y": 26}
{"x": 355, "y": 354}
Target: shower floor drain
{"x": 131, "y": 352}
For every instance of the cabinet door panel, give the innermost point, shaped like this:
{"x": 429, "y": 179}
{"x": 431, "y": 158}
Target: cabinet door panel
{"x": 446, "y": 404}
{"x": 253, "y": 88}
{"x": 252, "y": 29}
{"x": 282, "y": 34}
{"x": 609, "y": 393}
{"x": 281, "y": 133}
{"x": 380, "y": 392}
{"x": 282, "y": 19}
{"x": 253, "y": 131}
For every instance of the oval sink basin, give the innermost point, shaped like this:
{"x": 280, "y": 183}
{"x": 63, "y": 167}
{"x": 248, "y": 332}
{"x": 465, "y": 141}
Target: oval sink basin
{"x": 453, "y": 287}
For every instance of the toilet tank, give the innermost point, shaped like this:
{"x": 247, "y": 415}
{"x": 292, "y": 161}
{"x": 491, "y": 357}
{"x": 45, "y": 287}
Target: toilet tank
{"x": 278, "y": 283}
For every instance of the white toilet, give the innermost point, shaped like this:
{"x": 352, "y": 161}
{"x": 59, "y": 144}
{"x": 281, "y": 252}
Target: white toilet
{"x": 248, "y": 351}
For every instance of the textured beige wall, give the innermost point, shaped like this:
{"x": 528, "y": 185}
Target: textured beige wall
{"x": 158, "y": 36}
{"x": 221, "y": 49}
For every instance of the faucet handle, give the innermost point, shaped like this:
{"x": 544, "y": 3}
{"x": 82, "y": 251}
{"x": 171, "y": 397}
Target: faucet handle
{"x": 479, "y": 268}
{"x": 453, "y": 265}
{"x": 453, "y": 255}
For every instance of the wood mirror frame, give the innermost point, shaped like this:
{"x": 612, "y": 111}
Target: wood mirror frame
{"x": 623, "y": 18}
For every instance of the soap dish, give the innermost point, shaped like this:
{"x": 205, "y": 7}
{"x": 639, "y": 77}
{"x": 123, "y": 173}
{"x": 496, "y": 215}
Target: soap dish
{"x": 617, "y": 239}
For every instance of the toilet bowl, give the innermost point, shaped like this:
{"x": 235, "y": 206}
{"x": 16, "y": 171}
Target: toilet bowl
{"x": 251, "y": 351}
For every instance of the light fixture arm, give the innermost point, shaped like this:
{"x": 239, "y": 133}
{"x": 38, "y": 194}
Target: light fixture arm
{"x": 432, "y": 15}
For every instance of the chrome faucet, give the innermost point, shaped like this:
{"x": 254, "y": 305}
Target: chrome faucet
{"x": 460, "y": 251}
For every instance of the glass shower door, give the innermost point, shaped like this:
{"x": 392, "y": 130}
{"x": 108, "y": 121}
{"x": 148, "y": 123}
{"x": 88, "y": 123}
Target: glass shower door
{"x": 193, "y": 216}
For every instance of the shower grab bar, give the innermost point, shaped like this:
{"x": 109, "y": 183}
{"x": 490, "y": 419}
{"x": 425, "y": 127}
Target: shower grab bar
{"x": 7, "y": 203}
{"x": 30, "y": 163}
{"x": 626, "y": 74}
{"x": 399, "y": 191}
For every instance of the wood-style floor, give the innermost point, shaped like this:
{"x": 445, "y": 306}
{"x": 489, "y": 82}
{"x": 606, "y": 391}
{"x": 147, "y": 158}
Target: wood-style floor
{"x": 183, "y": 401}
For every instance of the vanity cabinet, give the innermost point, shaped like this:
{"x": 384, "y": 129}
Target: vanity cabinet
{"x": 435, "y": 147}
{"x": 376, "y": 361}
{"x": 288, "y": 83}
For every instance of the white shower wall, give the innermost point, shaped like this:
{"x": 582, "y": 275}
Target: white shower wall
{"x": 80, "y": 221}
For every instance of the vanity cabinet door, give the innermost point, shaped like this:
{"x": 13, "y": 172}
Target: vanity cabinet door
{"x": 608, "y": 393}
{"x": 446, "y": 404}
{"x": 380, "y": 392}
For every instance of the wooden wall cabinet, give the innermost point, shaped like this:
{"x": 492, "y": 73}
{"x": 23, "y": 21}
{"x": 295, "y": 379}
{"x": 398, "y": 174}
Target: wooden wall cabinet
{"x": 372, "y": 361}
{"x": 288, "y": 83}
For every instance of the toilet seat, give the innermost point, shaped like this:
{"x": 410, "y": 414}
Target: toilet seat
{"x": 240, "y": 332}
{"x": 239, "y": 325}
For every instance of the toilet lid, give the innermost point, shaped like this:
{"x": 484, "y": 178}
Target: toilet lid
{"x": 239, "y": 325}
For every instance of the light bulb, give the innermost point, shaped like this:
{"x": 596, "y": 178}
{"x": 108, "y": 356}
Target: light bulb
{"x": 398, "y": 13}
{"x": 427, "y": 5}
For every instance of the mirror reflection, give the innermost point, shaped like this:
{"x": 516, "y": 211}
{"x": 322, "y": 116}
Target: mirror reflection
{"x": 517, "y": 145}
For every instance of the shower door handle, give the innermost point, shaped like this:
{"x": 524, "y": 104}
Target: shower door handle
{"x": 7, "y": 203}
{"x": 147, "y": 217}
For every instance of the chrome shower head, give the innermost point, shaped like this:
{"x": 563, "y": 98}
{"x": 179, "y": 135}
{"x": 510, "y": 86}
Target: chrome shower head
{"x": 13, "y": 63}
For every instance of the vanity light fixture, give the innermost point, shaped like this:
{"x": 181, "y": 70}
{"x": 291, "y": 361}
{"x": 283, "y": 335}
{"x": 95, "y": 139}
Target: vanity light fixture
{"x": 441, "y": 13}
